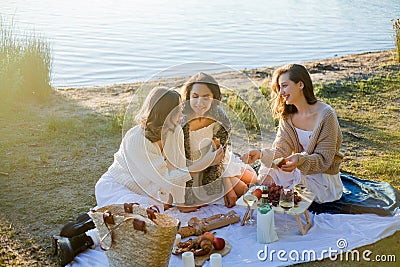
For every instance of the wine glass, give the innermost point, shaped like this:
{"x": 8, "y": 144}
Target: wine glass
{"x": 252, "y": 187}
{"x": 250, "y": 199}
{"x": 286, "y": 202}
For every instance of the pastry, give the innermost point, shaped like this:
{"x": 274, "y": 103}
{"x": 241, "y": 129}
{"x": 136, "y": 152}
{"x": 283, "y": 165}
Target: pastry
{"x": 216, "y": 141}
{"x": 279, "y": 162}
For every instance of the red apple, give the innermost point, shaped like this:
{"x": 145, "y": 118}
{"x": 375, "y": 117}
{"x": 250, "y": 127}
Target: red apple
{"x": 219, "y": 243}
{"x": 258, "y": 193}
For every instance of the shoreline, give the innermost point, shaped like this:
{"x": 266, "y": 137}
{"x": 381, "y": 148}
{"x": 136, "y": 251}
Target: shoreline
{"x": 110, "y": 98}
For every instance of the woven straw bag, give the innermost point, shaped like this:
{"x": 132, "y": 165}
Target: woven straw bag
{"x": 132, "y": 235}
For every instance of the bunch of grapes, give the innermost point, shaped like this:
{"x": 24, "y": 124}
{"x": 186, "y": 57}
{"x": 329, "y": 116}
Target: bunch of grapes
{"x": 274, "y": 194}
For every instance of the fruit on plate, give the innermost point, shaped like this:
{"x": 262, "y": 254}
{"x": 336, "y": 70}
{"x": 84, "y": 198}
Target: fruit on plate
{"x": 219, "y": 243}
{"x": 274, "y": 193}
{"x": 258, "y": 193}
{"x": 279, "y": 162}
{"x": 209, "y": 235}
{"x": 200, "y": 246}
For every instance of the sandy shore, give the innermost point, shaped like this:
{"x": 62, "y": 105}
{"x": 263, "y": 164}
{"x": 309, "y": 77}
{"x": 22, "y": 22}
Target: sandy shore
{"x": 106, "y": 99}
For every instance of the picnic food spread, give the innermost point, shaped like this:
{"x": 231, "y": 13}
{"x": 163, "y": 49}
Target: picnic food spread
{"x": 206, "y": 243}
{"x": 274, "y": 193}
{"x": 201, "y": 245}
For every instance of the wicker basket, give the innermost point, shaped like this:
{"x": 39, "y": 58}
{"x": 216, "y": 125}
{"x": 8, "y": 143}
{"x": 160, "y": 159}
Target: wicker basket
{"x": 132, "y": 235}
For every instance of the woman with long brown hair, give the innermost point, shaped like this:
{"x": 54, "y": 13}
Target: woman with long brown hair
{"x": 149, "y": 168}
{"x": 308, "y": 138}
{"x": 216, "y": 173}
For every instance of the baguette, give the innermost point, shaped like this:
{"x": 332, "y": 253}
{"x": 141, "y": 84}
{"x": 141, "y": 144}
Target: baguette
{"x": 198, "y": 226}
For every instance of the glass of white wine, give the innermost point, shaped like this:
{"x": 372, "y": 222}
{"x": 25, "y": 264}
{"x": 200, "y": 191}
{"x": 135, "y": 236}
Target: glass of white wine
{"x": 250, "y": 199}
{"x": 286, "y": 202}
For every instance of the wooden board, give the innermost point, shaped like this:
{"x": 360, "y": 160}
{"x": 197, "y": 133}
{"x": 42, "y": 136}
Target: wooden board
{"x": 199, "y": 260}
{"x": 307, "y": 198}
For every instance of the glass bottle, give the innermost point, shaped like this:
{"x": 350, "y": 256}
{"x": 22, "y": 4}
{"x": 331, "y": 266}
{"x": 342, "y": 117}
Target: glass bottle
{"x": 265, "y": 206}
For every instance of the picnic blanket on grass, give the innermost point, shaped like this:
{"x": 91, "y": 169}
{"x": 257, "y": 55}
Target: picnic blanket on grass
{"x": 336, "y": 233}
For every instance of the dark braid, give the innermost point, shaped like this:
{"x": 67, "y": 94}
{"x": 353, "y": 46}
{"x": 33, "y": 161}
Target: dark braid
{"x": 185, "y": 129}
{"x": 190, "y": 198}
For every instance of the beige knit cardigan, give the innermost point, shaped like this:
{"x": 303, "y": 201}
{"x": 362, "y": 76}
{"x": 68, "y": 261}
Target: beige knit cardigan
{"x": 322, "y": 154}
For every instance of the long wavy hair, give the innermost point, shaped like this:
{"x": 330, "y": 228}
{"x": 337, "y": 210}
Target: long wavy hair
{"x": 211, "y": 175}
{"x": 296, "y": 73}
{"x": 160, "y": 105}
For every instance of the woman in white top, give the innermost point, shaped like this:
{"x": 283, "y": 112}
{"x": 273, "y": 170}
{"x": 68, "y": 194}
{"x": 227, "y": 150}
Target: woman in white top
{"x": 308, "y": 138}
{"x": 148, "y": 168}
{"x": 148, "y": 162}
{"x": 216, "y": 173}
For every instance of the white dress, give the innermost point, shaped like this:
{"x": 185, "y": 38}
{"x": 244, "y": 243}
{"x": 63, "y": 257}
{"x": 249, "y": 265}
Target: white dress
{"x": 326, "y": 187}
{"x": 200, "y": 144}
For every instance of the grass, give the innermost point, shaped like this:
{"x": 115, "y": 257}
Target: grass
{"x": 25, "y": 65}
{"x": 245, "y": 112}
{"x": 51, "y": 158}
{"x": 52, "y": 154}
{"x": 368, "y": 113}
{"x": 245, "y": 119}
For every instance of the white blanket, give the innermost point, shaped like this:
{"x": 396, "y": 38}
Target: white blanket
{"x": 329, "y": 234}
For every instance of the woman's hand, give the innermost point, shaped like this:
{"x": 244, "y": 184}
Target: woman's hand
{"x": 218, "y": 156}
{"x": 230, "y": 199}
{"x": 291, "y": 163}
{"x": 208, "y": 159}
{"x": 251, "y": 156}
{"x": 170, "y": 166}
{"x": 265, "y": 179}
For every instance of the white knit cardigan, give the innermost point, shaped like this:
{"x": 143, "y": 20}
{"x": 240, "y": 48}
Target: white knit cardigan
{"x": 140, "y": 165}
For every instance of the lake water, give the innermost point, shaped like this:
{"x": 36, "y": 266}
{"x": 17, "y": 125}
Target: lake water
{"x": 99, "y": 42}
